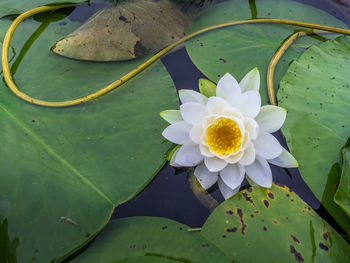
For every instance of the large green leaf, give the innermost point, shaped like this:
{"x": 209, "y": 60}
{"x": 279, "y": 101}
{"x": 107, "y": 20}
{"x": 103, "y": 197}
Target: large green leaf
{"x": 273, "y": 225}
{"x": 316, "y": 93}
{"x": 62, "y": 170}
{"x": 150, "y": 236}
{"x": 11, "y": 7}
{"x": 342, "y": 196}
{"x": 239, "y": 49}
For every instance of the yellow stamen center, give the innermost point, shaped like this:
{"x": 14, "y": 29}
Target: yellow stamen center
{"x": 224, "y": 137}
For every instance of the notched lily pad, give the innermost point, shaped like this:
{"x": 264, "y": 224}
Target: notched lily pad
{"x": 122, "y": 32}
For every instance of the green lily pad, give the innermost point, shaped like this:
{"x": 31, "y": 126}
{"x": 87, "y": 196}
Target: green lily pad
{"x": 241, "y": 48}
{"x": 14, "y": 7}
{"x": 148, "y": 259}
{"x": 273, "y": 225}
{"x": 342, "y": 196}
{"x": 63, "y": 170}
{"x": 316, "y": 93}
{"x": 151, "y": 237}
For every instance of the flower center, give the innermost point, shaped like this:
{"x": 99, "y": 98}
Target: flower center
{"x": 224, "y": 137}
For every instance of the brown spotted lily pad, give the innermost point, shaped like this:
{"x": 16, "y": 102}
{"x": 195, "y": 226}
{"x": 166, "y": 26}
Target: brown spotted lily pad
{"x": 124, "y": 31}
{"x": 273, "y": 225}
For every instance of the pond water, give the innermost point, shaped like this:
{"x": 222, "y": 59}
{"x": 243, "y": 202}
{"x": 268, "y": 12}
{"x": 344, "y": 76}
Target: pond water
{"x": 170, "y": 193}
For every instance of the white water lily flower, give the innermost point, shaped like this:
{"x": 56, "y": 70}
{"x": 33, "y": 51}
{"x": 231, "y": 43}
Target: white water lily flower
{"x": 228, "y": 135}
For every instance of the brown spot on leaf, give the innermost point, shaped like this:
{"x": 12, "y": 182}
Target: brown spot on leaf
{"x": 266, "y": 203}
{"x": 296, "y": 254}
{"x": 138, "y": 49}
{"x": 205, "y": 245}
{"x": 229, "y": 212}
{"x": 275, "y": 222}
{"x": 250, "y": 190}
{"x": 279, "y": 184}
{"x": 223, "y": 60}
{"x": 323, "y": 246}
{"x": 271, "y": 195}
{"x": 265, "y": 228}
{"x": 234, "y": 229}
{"x": 164, "y": 227}
{"x": 248, "y": 198}
{"x": 123, "y": 18}
{"x": 295, "y": 239}
{"x": 244, "y": 226}
{"x": 325, "y": 236}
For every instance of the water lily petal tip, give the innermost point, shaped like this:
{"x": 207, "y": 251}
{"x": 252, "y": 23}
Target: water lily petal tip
{"x": 296, "y": 164}
{"x": 162, "y": 113}
{"x": 284, "y": 109}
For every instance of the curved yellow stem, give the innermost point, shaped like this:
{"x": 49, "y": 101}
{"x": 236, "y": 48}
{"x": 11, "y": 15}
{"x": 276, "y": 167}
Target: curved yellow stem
{"x": 276, "y": 58}
{"x": 12, "y": 86}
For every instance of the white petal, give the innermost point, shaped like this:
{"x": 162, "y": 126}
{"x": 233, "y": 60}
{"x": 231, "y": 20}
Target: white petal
{"x": 267, "y": 146}
{"x": 178, "y": 132}
{"x": 249, "y": 155}
{"x": 208, "y": 120}
{"x": 251, "y": 81}
{"x": 232, "y": 175}
{"x": 196, "y": 134}
{"x": 216, "y": 105}
{"x": 260, "y": 172}
{"x": 205, "y": 151}
{"x": 252, "y": 127}
{"x": 204, "y": 176}
{"x": 187, "y": 95}
{"x": 284, "y": 160}
{"x": 246, "y": 140}
{"x": 214, "y": 164}
{"x": 193, "y": 112}
{"x": 188, "y": 155}
{"x": 234, "y": 158}
{"x": 226, "y": 191}
{"x": 228, "y": 89}
{"x": 171, "y": 116}
{"x": 232, "y": 112}
{"x": 250, "y": 103}
{"x": 271, "y": 118}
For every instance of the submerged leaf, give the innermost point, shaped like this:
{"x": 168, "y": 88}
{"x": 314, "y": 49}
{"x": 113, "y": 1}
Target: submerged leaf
{"x": 122, "y": 32}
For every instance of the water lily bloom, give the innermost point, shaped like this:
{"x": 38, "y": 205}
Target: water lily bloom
{"x": 227, "y": 134}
